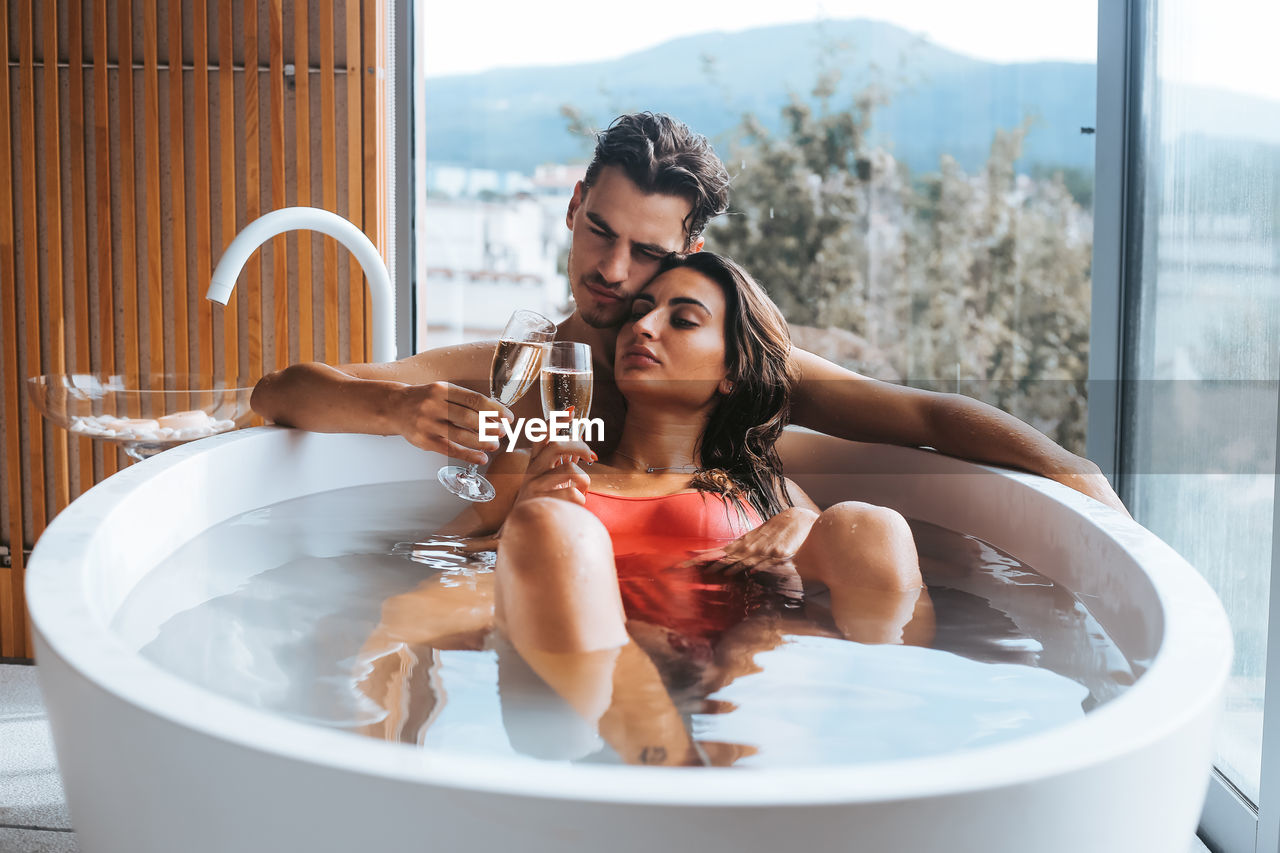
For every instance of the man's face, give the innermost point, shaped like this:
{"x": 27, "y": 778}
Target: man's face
{"x": 620, "y": 236}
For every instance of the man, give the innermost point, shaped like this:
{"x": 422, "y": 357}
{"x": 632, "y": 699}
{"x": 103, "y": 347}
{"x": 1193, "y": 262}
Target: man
{"x": 650, "y": 190}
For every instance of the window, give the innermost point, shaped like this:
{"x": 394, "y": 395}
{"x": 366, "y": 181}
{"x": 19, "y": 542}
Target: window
{"x": 915, "y": 193}
{"x": 918, "y": 195}
{"x": 1199, "y": 425}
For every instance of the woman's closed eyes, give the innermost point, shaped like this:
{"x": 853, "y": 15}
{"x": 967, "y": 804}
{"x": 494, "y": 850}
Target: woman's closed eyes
{"x": 678, "y": 322}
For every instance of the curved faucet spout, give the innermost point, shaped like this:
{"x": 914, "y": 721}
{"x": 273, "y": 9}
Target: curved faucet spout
{"x": 285, "y": 219}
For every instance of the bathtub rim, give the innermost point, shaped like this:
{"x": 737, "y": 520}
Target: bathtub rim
{"x": 1198, "y": 641}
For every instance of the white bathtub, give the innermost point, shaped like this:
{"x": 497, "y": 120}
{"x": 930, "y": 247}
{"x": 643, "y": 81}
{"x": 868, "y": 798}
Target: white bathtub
{"x": 153, "y": 763}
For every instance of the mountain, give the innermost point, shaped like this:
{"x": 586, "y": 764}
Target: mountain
{"x": 938, "y": 100}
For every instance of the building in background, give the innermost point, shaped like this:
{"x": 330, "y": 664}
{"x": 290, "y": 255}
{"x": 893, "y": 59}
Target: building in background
{"x": 492, "y": 242}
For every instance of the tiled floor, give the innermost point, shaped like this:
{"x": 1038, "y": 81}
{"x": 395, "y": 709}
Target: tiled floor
{"x": 33, "y": 814}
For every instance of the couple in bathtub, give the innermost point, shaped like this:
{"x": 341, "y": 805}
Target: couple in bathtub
{"x": 621, "y": 579}
{"x": 695, "y": 378}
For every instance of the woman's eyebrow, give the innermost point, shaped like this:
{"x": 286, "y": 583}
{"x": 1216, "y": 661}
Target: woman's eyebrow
{"x": 646, "y": 297}
{"x": 687, "y": 300}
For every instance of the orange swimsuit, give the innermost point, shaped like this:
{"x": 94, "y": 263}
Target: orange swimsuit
{"x": 652, "y": 536}
{"x": 684, "y": 515}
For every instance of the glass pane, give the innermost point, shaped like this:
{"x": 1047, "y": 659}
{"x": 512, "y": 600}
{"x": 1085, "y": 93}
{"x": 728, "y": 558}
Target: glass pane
{"x": 1201, "y": 418}
{"x": 914, "y": 190}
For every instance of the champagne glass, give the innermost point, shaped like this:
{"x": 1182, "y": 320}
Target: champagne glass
{"x": 516, "y": 362}
{"x": 566, "y": 379}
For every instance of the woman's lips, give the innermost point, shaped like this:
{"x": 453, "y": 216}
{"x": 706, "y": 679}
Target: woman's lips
{"x": 639, "y": 356}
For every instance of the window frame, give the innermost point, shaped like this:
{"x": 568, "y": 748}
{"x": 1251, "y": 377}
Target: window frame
{"x": 1229, "y": 822}
{"x": 403, "y": 66}
{"x": 1112, "y": 201}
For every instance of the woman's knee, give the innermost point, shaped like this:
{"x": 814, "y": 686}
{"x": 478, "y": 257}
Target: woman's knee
{"x": 863, "y": 519}
{"x": 536, "y": 512}
{"x": 557, "y": 590}
{"x": 549, "y": 534}
{"x": 872, "y": 543}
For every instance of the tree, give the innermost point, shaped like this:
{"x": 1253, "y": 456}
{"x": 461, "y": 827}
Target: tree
{"x": 977, "y": 283}
{"x": 795, "y": 209}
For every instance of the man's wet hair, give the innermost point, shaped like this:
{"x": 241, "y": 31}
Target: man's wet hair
{"x": 661, "y": 154}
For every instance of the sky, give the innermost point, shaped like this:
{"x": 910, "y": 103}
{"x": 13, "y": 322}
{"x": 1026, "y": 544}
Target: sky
{"x": 590, "y": 29}
{"x": 1205, "y": 43}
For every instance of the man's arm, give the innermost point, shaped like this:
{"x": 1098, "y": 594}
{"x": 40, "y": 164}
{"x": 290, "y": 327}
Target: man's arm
{"x": 838, "y": 402}
{"x": 433, "y": 399}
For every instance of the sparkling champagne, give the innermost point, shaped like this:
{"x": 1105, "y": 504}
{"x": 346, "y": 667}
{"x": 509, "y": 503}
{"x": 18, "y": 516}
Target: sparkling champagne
{"x": 562, "y": 388}
{"x": 515, "y": 367}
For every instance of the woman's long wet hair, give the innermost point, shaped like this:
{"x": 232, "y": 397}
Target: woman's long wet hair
{"x": 736, "y": 451}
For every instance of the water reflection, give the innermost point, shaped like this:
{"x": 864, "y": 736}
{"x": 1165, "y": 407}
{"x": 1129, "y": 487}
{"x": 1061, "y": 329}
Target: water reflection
{"x": 398, "y": 644}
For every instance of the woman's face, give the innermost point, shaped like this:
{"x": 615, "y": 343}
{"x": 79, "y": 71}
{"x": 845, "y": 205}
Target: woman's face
{"x": 675, "y": 335}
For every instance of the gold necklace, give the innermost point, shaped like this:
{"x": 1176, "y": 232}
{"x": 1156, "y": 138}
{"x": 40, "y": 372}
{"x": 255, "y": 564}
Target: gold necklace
{"x": 690, "y": 468}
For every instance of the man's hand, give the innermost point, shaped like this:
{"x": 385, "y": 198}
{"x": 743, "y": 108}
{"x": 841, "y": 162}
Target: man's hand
{"x": 776, "y": 541}
{"x": 553, "y": 472}
{"x": 1085, "y": 477}
{"x": 446, "y": 418}
{"x": 432, "y": 399}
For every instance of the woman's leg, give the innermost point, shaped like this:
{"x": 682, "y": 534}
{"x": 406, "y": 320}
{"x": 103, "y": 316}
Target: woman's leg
{"x": 558, "y": 603}
{"x": 865, "y": 555}
{"x": 405, "y": 682}
{"x": 398, "y": 669}
{"x": 557, "y": 590}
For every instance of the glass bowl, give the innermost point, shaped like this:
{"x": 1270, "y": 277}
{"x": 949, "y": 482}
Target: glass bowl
{"x": 145, "y": 414}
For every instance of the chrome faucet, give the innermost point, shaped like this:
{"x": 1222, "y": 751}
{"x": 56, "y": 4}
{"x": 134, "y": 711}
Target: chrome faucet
{"x": 345, "y": 232}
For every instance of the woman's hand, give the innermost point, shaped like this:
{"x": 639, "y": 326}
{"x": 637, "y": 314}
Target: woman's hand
{"x": 554, "y": 472}
{"x": 775, "y": 541}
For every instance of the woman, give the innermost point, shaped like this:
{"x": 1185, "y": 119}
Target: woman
{"x": 594, "y": 553}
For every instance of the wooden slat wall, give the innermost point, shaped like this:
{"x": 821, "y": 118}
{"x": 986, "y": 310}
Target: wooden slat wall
{"x": 104, "y": 270}
{"x": 155, "y": 147}
{"x": 78, "y": 228}
{"x": 12, "y": 615}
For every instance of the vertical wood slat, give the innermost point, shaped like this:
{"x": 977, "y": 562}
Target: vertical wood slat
{"x": 178, "y": 195}
{"x": 374, "y": 124}
{"x": 127, "y": 209}
{"x": 12, "y": 616}
{"x": 92, "y": 313}
{"x": 328, "y": 178}
{"x": 54, "y": 287}
{"x": 31, "y": 273}
{"x": 355, "y": 164}
{"x": 227, "y": 173}
{"x": 252, "y": 183}
{"x": 279, "y": 252}
{"x": 302, "y": 123}
{"x": 79, "y": 232}
{"x": 151, "y": 183}
{"x": 103, "y": 206}
{"x": 202, "y": 202}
